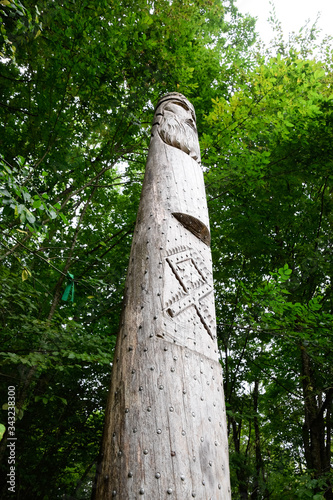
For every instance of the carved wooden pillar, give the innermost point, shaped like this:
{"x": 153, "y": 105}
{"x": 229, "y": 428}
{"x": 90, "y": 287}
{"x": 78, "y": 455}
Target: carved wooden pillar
{"x": 165, "y": 433}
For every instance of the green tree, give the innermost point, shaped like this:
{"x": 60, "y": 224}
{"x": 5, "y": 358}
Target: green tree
{"x": 271, "y": 204}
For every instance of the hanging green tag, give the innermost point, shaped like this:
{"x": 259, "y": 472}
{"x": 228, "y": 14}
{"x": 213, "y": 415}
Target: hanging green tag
{"x": 69, "y": 288}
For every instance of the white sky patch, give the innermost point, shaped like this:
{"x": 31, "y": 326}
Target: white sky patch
{"x": 293, "y": 14}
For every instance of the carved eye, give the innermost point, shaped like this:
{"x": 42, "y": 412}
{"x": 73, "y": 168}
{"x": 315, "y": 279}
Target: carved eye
{"x": 191, "y": 123}
{"x": 181, "y": 104}
{"x": 173, "y": 106}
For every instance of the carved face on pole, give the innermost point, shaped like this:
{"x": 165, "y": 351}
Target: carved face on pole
{"x": 176, "y": 124}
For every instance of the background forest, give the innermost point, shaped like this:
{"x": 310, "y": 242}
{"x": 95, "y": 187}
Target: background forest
{"x": 78, "y": 81}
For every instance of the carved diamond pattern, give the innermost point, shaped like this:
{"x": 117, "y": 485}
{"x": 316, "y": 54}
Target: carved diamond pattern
{"x": 195, "y": 288}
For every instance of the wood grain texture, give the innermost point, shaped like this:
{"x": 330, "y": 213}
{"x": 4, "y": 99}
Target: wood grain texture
{"x": 165, "y": 433}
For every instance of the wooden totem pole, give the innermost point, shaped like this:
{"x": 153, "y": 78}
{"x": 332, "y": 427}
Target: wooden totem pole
{"x": 165, "y": 432}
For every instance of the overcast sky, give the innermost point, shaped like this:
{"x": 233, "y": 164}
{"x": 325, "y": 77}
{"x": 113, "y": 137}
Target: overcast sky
{"x": 292, "y": 13}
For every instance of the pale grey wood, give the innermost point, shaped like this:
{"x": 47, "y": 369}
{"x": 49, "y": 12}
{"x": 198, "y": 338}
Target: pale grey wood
{"x": 165, "y": 433}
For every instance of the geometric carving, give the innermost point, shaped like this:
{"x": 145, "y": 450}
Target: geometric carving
{"x": 194, "y": 288}
{"x": 195, "y": 226}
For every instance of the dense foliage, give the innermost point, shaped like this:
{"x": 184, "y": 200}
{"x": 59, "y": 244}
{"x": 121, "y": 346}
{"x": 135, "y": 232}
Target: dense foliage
{"x": 79, "y": 81}
{"x": 271, "y": 182}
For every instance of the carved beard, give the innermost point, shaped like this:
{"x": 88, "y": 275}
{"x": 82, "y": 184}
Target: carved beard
{"x": 179, "y": 134}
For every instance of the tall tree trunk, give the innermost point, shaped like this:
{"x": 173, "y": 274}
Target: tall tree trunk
{"x": 259, "y": 461}
{"x": 242, "y": 475}
{"x": 165, "y": 428}
{"x": 317, "y": 423}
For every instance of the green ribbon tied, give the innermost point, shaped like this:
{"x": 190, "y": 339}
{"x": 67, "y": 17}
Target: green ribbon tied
{"x": 69, "y": 287}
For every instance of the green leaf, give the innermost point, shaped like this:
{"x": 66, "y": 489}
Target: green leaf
{"x": 31, "y": 218}
{"x": 52, "y": 214}
{"x": 20, "y": 161}
{"x": 2, "y": 430}
{"x": 63, "y": 218}
{"x": 36, "y": 203}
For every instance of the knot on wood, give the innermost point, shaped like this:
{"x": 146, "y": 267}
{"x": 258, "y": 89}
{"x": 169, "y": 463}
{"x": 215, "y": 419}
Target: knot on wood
{"x": 194, "y": 225}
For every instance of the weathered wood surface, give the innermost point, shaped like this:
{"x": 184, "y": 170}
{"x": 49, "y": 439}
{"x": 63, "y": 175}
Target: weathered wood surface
{"x": 165, "y": 433}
